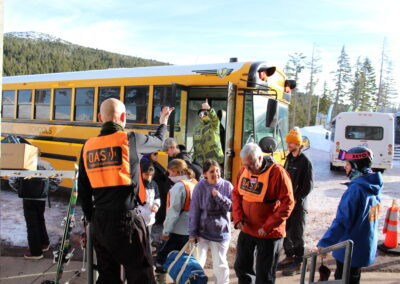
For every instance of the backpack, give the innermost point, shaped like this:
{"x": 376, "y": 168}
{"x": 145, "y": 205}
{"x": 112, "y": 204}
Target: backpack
{"x": 33, "y": 187}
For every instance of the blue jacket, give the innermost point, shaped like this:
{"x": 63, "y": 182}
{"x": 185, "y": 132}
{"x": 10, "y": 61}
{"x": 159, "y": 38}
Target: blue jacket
{"x": 357, "y": 220}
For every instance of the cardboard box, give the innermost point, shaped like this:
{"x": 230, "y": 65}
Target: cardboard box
{"x": 19, "y": 157}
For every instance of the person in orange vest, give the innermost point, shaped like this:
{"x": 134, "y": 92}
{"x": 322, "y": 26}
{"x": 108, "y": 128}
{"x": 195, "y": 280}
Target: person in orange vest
{"x": 357, "y": 214}
{"x": 262, "y": 201}
{"x": 176, "y": 225}
{"x": 110, "y": 190}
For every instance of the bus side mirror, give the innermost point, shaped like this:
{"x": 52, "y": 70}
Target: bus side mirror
{"x": 327, "y": 135}
{"x": 291, "y": 84}
{"x": 268, "y": 145}
{"x": 306, "y": 143}
{"x": 271, "y": 119}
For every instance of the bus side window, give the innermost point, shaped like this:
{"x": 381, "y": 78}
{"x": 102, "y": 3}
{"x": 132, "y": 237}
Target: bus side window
{"x": 107, "y": 93}
{"x": 163, "y": 97}
{"x": 62, "y": 104}
{"x": 136, "y": 102}
{"x": 8, "y": 103}
{"x": 24, "y": 109}
{"x": 42, "y": 104}
{"x": 84, "y": 101}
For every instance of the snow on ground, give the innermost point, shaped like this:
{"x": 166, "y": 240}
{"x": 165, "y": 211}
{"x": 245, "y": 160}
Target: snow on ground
{"x": 316, "y": 135}
{"x": 12, "y": 221}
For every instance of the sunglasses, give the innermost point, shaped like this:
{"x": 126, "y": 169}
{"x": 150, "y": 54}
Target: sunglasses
{"x": 202, "y": 114}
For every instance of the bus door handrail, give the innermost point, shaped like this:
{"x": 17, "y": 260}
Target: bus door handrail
{"x": 348, "y": 245}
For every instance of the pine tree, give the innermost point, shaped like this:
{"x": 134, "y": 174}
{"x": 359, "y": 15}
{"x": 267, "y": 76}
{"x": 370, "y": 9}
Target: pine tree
{"x": 293, "y": 68}
{"x": 389, "y": 94}
{"x": 358, "y": 82}
{"x": 342, "y": 77}
{"x": 368, "y": 98}
{"x": 325, "y": 100}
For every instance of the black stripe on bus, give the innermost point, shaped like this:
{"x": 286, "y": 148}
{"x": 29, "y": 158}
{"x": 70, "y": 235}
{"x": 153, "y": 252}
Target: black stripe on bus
{"x": 58, "y": 157}
{"x": 80, "y": 124}
{"x": 48, "y": 138}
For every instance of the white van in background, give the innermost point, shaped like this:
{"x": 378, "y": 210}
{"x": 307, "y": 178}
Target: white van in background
{"x": 369, "y": 129}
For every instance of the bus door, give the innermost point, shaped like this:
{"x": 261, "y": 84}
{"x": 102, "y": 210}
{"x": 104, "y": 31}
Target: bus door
{"x": 179, "y": 115}
{"x": 229, "y": 129}
{"x": 221, "y": 100}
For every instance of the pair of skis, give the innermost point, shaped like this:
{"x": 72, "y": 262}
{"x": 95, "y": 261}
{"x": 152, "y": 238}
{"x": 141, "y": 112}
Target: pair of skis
{"x": 64, "y": 254}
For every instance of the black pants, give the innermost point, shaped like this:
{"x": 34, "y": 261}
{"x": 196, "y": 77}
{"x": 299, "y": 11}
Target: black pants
{"x": 355, "y": 273}
{"x": 117, "y": 243}
{"x": 175, "y": 242}
{"x": 266, "y": 259}
{"x": 294, "y": 241}
{"x": 35, "y": 225}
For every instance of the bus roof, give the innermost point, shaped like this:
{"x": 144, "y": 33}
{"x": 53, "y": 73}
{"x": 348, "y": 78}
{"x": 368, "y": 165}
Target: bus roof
{"x": 362, "y": 113}
{"x": 151, "y": 71}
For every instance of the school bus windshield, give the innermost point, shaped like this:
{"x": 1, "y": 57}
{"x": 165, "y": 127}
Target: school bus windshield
{"x": 254, "y": 125}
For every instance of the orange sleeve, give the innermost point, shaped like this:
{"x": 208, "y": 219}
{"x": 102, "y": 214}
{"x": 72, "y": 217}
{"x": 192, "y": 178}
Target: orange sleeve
{"x": 237, "y": 209}
{"x": 282, "y": 189}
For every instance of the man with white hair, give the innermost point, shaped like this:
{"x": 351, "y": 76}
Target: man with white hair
{"x": 111, "y": 188}
{"x": 262, "y": 201}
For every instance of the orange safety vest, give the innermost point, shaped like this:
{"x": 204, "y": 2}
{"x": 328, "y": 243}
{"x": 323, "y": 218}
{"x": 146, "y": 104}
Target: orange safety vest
{"x": 252, "y": 187}
{"x": 189, "y": 186}
{"x": 106, "y": 160}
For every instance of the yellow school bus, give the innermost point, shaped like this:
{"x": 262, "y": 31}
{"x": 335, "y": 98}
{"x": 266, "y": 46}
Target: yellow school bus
{"x": 57, "y": 112}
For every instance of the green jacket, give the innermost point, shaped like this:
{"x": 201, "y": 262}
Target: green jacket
{"x": 206, "y": 140}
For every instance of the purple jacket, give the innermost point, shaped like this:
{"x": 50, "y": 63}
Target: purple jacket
{"x": 209, "y": 216}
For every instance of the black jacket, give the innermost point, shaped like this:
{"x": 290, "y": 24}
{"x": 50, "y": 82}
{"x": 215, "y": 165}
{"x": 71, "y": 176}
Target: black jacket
{"x": 300, "y": 171}
{"x": 195, "y": 167}
{"x": 122, "y": 197}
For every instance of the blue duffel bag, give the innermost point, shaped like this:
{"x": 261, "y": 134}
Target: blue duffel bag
{"x": 184, "y": 268}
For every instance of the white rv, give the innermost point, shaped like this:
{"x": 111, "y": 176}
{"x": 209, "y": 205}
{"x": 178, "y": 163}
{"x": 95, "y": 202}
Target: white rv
{"x": 369, "y": 129}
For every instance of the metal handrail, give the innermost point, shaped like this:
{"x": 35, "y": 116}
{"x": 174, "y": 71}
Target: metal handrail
{"x": 348, "y": 245}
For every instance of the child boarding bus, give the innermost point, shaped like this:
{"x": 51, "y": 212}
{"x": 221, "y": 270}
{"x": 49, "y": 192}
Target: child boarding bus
{"x": 369, "y": 129}
{"x": 58, "y": 112}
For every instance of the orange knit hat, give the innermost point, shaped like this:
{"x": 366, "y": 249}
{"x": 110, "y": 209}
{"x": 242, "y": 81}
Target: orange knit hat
{"x": 294, "y": 136}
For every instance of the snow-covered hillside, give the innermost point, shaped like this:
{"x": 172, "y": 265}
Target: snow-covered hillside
{"x": 36, "y": 36}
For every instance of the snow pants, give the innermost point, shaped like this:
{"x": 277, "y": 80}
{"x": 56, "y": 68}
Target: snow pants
{"x": 294, "y": 241}
{"x": 121, "y": 238}
{"x": 35, "y": 225}
{"x": 355, "y": 273}
{"x": 266, "y": 259}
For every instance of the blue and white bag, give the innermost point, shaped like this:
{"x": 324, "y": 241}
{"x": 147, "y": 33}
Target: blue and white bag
{"x": 184, "y": 268}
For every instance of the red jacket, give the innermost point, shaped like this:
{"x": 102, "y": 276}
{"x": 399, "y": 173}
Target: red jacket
{"x": 271, "y": 214}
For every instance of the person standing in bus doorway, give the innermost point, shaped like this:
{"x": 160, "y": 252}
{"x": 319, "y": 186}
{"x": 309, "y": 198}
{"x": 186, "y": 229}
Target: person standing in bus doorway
{"x": 262, "y": 201}
{"x": 206, "y": 137}
{"x": 111, "y": 188}
{"x": 300, "y": 170}
{"x": 357, "y": 214}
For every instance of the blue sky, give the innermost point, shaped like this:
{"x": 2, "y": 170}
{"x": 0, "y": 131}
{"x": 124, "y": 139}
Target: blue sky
{"x": 191, "y": 32}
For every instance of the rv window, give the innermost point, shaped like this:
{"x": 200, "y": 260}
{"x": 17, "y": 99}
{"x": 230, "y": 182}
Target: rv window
{"x": 364, "y": 132}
